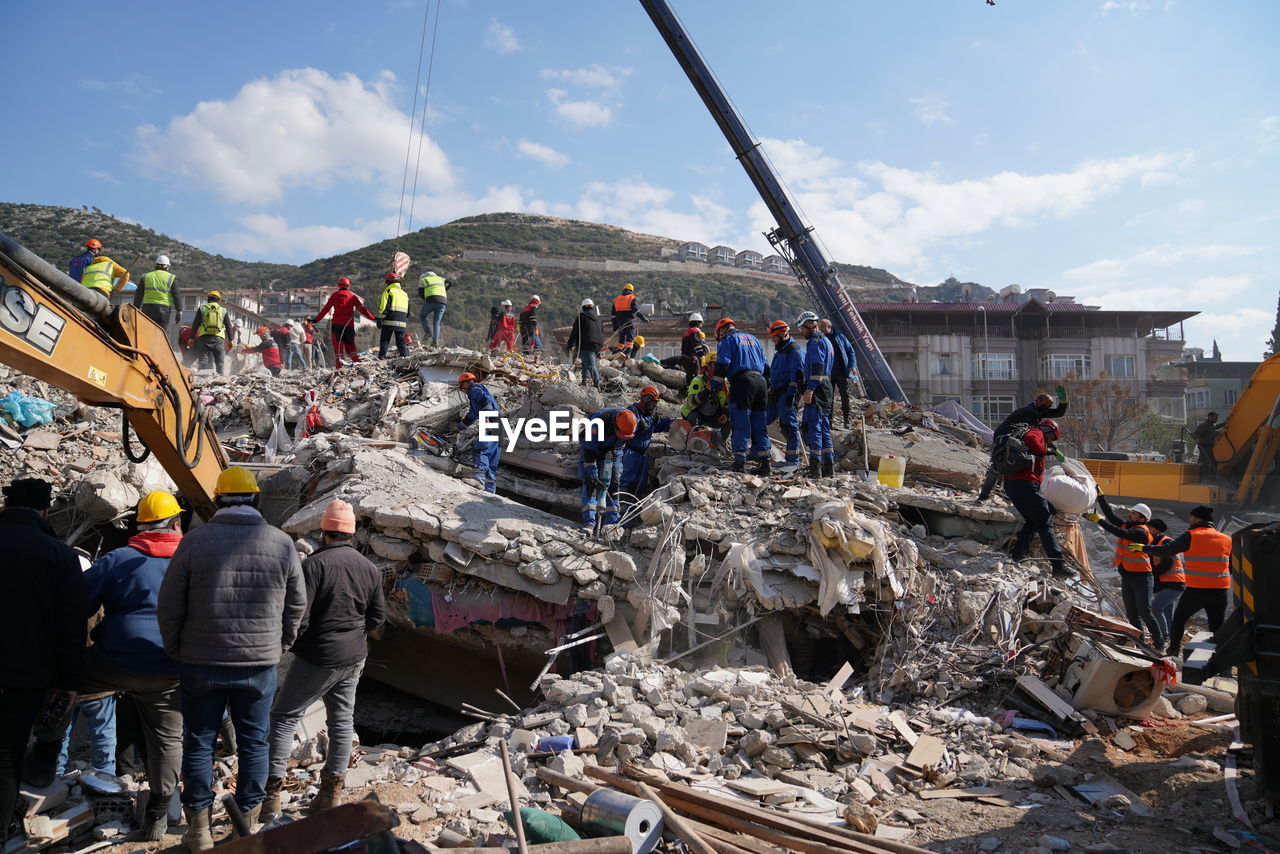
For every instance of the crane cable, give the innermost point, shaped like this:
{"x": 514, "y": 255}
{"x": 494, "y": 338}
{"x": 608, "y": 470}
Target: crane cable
{"x": 426, "y": 93}
{"x": 408, "y": 148}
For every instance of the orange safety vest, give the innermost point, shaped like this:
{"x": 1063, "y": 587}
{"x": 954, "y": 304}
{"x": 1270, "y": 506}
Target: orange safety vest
{"x": 1208, "y": 559}
{"x": 1176, "y": 575}
{"x": 1129, "y": 561}
{"x": 624, "y": 302}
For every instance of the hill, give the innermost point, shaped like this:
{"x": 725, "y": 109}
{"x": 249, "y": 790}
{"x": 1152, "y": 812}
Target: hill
{"x": 57, "y": 233}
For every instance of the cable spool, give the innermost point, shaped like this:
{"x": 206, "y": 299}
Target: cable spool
{"x": 611, "y": 813}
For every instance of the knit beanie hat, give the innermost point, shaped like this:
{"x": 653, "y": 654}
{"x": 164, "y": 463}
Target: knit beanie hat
{"x": 31, "y": 492}
{"x": 1204, "y": 511}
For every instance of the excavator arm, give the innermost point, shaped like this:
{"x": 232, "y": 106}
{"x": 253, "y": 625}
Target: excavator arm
{"x": 56, "y": 330}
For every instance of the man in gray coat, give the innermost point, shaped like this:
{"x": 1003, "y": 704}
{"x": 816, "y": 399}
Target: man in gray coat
{"x": 231, "y": 601}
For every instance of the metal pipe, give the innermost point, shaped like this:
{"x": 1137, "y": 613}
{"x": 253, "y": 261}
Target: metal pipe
{"x": 87, "y": 300}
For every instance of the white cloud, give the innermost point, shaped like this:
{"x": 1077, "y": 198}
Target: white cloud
{"x": 1267, "y": 135}
{"x": 1133, "y": 7}
{"x": 873, "y": 213}
{"x": 1146, "y": 265}
{"x": 103, "y": 176}
{"x": 592, "y": 77}
{"x": 643, "y": 207}
{"x": 132, "y": 85}
{"x": 299, "y": 128}
{"x": 265, "y": 236}
{"x": 931, "y": 110}
{"x": 580, "y": 114}
{"x": 501, "y": 38}
{"x": 544, "y": 154}
{"x": 1242, "y": 334}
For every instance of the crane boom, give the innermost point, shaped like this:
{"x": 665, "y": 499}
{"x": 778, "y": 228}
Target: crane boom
{"x": 793, "y": 239}
{"x": 59, "y": 331}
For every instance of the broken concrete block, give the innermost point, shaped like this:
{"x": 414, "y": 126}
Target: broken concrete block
{"x": 756, "y": 742}
{"x": 568, "y": 763}
{"x": 1193, "y": 704}
{"x": 392, "y": 548}
{"x": 541, "y": 571}
{"x": 860, "y": 817}
{"x": 42, "y": 440}
{"x": 708, "y": 733}
{"x": 620, "y": 564}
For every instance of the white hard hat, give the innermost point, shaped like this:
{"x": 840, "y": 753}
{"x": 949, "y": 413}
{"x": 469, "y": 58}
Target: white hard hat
{"x": 162, "y": 260}
{"x": 588, "y": 302}
{"x": 505, "y": 302}
{"x": 430, "y": 273}
{"x": 1143, "y": 509}
{"x": 695, "y": 316}
{"x": 535, "y": 298}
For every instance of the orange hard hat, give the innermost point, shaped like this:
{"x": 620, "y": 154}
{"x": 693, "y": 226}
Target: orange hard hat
{"x": 339, "y": 517}
{"x": 624, "y": 424}
{"x": 344, "y": 282}
{"x": 93, "y": 243}
{"x": 262, "y": 330}
{"x": 650, "y": 391}
{"x": 723, "y": 324}
{"x": 778, "y": 327}
{"x": 467, "y": 377}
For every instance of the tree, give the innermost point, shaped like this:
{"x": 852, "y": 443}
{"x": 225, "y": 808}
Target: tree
{"x": 1273, "y": 343}
{"x": 1104, "y": 414}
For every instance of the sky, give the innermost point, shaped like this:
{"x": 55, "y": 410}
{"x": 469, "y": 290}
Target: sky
{"x": 1125, "y": 152}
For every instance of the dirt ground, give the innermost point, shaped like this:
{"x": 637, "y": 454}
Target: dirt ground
{"x": 1188, "y": 800}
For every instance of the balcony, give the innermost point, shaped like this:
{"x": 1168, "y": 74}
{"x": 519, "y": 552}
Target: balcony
{"x": 995, "y": 373}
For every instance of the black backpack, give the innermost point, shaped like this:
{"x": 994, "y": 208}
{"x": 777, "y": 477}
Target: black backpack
{"x": 1009, "y": 454}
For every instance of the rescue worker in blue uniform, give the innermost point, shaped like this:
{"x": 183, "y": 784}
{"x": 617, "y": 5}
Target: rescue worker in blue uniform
{"x": 819, "y": 356}
{"x": 487, "y": 453}
{"x": 844, "y": 369}
{"x": 635, "y": 453}
{"x": 599, "y": 466}
{"x": 786, "y": 380}
{"x": 740, "y": 360}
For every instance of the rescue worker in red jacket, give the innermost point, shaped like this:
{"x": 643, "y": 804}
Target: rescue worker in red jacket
{"x": 504, "y": 330}
{"x": 344, "y": 303}
{"x": 1206, "y": 553}
{"x": 1137, "y": 582}
{"x": 269, "y": 350}
{"x": 1023, "y": 490}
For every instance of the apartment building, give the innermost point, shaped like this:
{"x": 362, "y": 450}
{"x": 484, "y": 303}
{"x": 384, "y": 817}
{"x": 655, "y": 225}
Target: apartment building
{"x": 1212, "y": 385}
{"x": 993, "y": 356}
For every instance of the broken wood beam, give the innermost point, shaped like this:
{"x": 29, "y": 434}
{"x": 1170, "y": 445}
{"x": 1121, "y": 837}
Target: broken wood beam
{"x": 601, "y": 845}
{"x": 687, "y": 834}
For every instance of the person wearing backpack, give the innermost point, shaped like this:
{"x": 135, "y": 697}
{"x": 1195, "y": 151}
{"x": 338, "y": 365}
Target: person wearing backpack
{"x": 1137, "y": 581}
{"x": 1023, "y": 489}
{"x": 1024, "y": 417}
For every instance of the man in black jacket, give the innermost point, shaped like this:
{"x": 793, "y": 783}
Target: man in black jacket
{"x": 344, "y": 603}
{"x": 585, "y": 339}
{"x": 42, "y": 625}
{"x": 1033, "y": 413}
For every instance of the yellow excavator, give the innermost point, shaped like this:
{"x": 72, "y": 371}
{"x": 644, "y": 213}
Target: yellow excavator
{"x": 1244, "y": 453}
{"x": 55, "y": 329}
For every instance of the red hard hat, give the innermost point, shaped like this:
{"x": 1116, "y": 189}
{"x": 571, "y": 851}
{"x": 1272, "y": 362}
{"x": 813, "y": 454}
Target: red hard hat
{"x": 467, "y": 377}
{"x": 93, "y": 243}
{"x": 262, "y": 330}
{"x": 650, "y": 391}
{"x": 1050, "y": 424}
{"x": 624, "y": 424}
{"x": 724, "y": 323}
{"x": 390, "y": 277}
{"x": 778, "y": 327}
{"x": 344, "y": 282}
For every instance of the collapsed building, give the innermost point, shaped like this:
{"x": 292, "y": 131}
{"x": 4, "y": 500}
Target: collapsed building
{"x": 804, "y": 643}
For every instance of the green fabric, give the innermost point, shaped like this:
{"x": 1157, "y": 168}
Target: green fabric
{"x": 1062, "y": 394}
{"x": 157, "y": 288}
{"x": 540, "y": 826}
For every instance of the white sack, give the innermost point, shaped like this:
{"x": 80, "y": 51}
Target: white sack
{"x": 1069, "y": 487}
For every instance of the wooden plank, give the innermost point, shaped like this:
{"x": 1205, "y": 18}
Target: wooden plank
{"x": 1101, "y": 786}
{"x": 688, "y": 835}
{"x": 927, "y": 752}
{"x": 961, "y": 794}
{"x": 758, "y": 786}
{"x": 1045, "y": 696}
{"x": 836, "y": 684}
{"x": 899, "y": 721}
{"x": 620, "y": 634}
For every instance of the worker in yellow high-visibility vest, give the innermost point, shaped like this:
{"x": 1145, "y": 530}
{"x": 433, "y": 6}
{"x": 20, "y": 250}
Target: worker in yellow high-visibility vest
{"x": 211, "y": 332}
{"x": 157, "y": 294}
{"x": 393, "y": 317}
{"x": 102, "y": 274}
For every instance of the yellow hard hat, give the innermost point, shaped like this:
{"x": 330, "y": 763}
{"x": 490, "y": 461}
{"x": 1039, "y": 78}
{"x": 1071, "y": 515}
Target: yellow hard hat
{"x": 214, "y": 294}
{"x": 236, "y": 480}
{"x": 708, "y": 359}
{"x": 628, "y": 287}
{"x": 156, "y": 506}
{"x": 639, "y": 340}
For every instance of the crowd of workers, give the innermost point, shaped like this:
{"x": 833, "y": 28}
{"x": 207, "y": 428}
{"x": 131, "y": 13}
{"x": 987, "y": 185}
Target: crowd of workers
{"x": 192, "y": 629}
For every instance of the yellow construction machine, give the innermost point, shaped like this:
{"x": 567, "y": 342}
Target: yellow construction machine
{"x": 1244, "y": 453}
{"x": 57, "y": 330}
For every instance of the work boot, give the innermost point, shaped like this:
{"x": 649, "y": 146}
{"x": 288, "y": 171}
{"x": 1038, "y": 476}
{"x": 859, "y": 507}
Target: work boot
{"x": 738, "y": 465}
{"x": 271, "y": 806}
{"x": 197, "y": 838}
{"x": 828, "y": 468}
{"x": 763, "y": 467}
{"x": 251, "y": 819}
{"x": 1060, "y": 569}
{"x": 330, "y": 793}
{"x": 155, "y": 819}
{"x": 815, "y": 468}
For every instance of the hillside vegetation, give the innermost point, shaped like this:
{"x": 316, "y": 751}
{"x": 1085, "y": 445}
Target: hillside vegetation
{"x": 57, "y": 233}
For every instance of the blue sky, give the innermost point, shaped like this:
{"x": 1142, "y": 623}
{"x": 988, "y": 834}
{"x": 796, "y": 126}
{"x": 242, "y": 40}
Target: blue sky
{"x": 1124, "y": 152}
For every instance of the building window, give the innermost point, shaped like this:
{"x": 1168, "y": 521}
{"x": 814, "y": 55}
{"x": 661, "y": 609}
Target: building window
{"x": 1172, "y": 409}
{"x": 1120, "y": 366}
{"x": 1198, "y": 398}
{"x": 993, "y": 409}
{"x": 1230, "y": 396}
{"x": 945, "y": 365}
{"x": 1056, "y": 366}
{"x": 994, "y": 366}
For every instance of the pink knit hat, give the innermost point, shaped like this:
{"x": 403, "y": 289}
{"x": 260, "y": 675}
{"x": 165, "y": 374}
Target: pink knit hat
{"x": 338, "y": 517}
